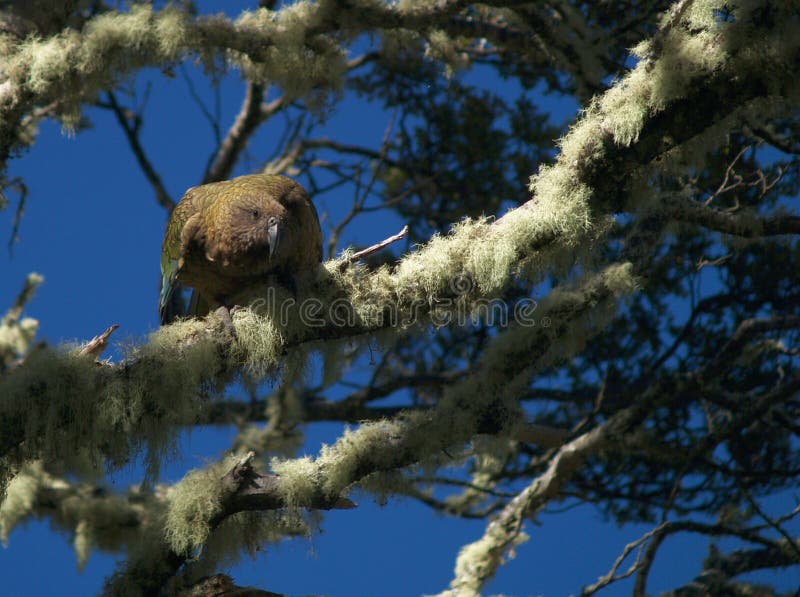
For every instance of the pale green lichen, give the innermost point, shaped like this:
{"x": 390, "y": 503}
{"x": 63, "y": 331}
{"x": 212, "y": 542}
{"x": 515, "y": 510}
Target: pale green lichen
{"x": 489, "y": 456}
{"x": 16, "y": 338}
{"x": 272, "y": 439}
{"x": 289, "y": 52}
{"x": 477, "y": 561}
{"x": 96, "y": 519}
{"x": 108, "y": 413}
{"x": 584, "y": 309}
{"x": 244, "y": 534}
{"x": 620, "y": 279}
{"x": 442, "y": 48}
{"x": 492, "y": 254}
{"x": 565, "y": 320}
{"x": 299, "y": 480}
{"x": 343, "y": 458}
{"x": 258, "y": 341}
{"x": 192, "y": 504}
{"x": 266, "y": 47}
{"x": 19, "y": 500}
{"x": 82, "y": 543}
{"x": 477, "y": 259}
{"x": 17, "y": 332}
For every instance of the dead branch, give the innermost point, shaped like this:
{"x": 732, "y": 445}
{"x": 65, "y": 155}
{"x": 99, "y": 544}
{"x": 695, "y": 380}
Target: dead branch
{"x": 612, "y": 575}
{"x": 98, "y": 344}
{"x": 373, "y": 249}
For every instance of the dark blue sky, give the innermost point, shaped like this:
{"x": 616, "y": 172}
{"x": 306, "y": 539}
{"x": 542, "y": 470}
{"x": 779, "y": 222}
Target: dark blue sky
{"x": 93, "y": 229}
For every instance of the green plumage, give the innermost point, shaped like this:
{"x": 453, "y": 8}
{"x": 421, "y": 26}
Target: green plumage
{"x": 226, "y": 236}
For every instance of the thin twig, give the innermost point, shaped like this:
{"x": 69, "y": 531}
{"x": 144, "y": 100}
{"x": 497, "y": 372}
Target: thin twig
{"x": 252, "y": 114}
{"x": 98, "y": 344}
{"x": 19, "y": 185}
{"x": 373, "y": 249}
{"x": 718, "y": 261}
{"x": 772, "y": 523}
{"x": 724, "y": 186}
{"x": 612, "y": 575}
{"x": 213, "y": 119}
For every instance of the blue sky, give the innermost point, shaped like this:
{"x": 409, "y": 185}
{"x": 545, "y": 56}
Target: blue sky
{"x": 92, "y": 228}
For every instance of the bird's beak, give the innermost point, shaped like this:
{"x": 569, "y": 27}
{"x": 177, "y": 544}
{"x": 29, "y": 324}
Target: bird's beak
{"x": 273, "y": 235}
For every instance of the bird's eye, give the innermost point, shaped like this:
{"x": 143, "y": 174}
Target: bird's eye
{"x": 256, "y": 214}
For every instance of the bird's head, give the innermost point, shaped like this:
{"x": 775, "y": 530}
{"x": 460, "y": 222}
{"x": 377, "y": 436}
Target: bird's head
{"x": 255, "y": 219}
{"x": 255, "y": 225}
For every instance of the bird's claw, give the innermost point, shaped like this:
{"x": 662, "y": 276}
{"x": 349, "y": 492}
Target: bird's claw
{"x": 225, "y": 315}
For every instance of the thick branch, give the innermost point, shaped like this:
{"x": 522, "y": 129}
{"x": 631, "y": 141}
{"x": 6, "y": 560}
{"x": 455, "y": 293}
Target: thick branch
{"x": 248, "y": 490}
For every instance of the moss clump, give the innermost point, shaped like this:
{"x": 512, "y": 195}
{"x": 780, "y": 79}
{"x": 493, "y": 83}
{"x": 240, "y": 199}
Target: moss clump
{"x": 300, "y": 479}
{"x": 107, "y": 413}
{"x": 19, "y": 500}
{"x": 259, "y": 341}
{"x": 192, "y": 504}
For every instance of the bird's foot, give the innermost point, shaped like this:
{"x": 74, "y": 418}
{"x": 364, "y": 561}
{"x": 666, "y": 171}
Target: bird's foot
{"x": 225, "y": 315}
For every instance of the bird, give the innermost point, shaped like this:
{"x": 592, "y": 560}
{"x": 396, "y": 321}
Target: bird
{"x": 225, "y": 237}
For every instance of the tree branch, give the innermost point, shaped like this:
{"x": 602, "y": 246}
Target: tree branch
{"x": 131, "y": 124}
{"x": 358, "y": 255}
{"x": 250, "y": 116}
{"x": 467, "y": 408}
{"x": 590, "y": 177}
{"x": 747, "y": 225}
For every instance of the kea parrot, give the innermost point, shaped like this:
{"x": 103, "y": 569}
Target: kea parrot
{"x": 225, "y": 237}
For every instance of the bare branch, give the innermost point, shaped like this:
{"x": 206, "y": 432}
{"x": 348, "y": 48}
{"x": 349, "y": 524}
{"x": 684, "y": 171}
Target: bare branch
{"x": 131, "y": 124}
{"x": 220, "y": 585}
{"x": 248, "y": 119}
{"x": 773, "y": 524}
{"x": 374, "y": 248}
{"x": 612, "y": 575}
{"x": 98, "y": 344}
{"x": 19, "y": 185}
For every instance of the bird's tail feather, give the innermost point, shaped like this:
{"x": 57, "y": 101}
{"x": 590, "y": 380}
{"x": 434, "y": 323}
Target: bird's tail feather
{"x": 172, "y": 305}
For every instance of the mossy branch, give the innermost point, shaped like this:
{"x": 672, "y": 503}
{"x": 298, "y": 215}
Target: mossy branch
{"x": 687, "y": 98}
{"x": 483, "y": 402}
{"x": 268, "y": 46}
{"x": 17, "y": 333}
{"x": 644, "y": 118}
{"x": 204, "y": 498}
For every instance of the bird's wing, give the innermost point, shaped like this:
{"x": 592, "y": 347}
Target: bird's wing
{"x": 181, "y": 228}
{"x": 169, "y": 271}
